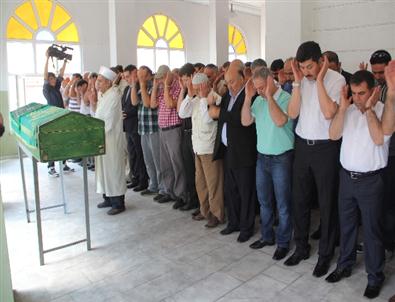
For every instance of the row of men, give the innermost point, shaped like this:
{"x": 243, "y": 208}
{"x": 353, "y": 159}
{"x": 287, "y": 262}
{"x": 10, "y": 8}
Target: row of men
{"x": 222, "y": 121}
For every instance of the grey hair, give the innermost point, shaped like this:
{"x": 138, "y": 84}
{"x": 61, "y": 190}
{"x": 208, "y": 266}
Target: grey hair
{"x": 258, "y": 63}
{"x": 289, "y": 59}
{"x": 262, "y": 73}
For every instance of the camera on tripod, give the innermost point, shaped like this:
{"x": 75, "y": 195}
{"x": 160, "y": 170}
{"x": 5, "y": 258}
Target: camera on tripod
{"x": 59, "y": 52}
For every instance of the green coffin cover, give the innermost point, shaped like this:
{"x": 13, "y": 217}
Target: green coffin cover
{"x": 52, "y": 133}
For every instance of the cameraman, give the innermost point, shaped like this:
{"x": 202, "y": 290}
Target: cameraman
{"x": 51, "y": 91}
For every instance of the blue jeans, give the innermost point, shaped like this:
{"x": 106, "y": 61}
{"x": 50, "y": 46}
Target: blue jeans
{"x": 274, "y": 172}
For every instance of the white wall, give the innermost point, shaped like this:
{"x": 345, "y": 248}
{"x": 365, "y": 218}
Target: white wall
{"x": 353, "y": 29}
{"x": 193, "y": 21}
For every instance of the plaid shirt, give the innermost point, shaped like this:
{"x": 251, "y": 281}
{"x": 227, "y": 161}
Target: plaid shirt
{"x": 168, "y": 117}
{"x": 147, "y": 117}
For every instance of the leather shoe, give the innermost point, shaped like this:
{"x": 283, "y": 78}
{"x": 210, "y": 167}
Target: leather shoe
{"x": 104, "y": 204}
{"x": 148, "y": 192}
{"x": 188, "y": 206}
{"x": 243, "y": 237}
{"x": 212, "y": 222}
{"x": 140, "y": 188}
{"x": 198, "y": 217}
{"x": 280, "y": 253}
{"x": 372, "y": 291}
{"x": 165, "y": 199}
{"x": 260, "y": 244}
{"x": 157, "y": 197}
{"x": 296, "y": 257}
{"x": 317, "y": 234}
{"x": 115, "y": 211}
{"x": 132, "y": 184}
{"x": 321, "y": 268}
{"x": 229, "y": 230}
{"x": 178, "y": 204}
{"x": 196, "y": 212}
{"x": 338, "y": 274}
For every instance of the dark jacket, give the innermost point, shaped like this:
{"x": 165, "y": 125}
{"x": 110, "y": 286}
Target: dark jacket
{"x": 241, "y": 150}
{"x": 130, "y": 123}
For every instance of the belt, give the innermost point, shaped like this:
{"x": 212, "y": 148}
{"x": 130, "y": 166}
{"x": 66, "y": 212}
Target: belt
{"x": 187, "y": 130}
{"x": 312, "y": 142}
{"x": 272, "y": 155}
{"x": 359, "y": 175}
{"x": 170, "y": 128}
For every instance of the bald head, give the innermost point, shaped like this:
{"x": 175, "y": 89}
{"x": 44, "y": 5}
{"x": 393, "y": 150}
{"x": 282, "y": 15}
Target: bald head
{"x": 238, "y": 64}
{"x": 234, "y": 79}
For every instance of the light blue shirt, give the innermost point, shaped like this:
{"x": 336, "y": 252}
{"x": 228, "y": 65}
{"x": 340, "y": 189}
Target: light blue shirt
{"x": 224, "y": 136}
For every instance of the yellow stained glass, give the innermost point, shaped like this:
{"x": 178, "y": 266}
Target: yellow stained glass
{"x": 172, "y": 29}
{"x": 143, "y": 40}
{"x": 161, "y": 23}
{"x": 149, "y": 26}
{"x": 16, "y": 30}
{"x": 44, "y": 10}
{"x": 237, "y": 38}
{"x": 60, "y": 18}
{"x": 177, "y": 42}
{"x": 69, "y": 34}
{"x": 241, "y": 48}
{"x": 26, "y": 13}
{"x": 231, "y": 29}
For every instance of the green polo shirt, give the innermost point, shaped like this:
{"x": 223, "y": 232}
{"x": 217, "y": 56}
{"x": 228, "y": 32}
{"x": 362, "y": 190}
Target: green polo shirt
{"x": 272, "y": 140}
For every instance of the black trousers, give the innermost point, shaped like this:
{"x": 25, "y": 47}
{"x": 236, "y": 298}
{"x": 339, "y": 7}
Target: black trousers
{"x": 51, "y": 164}
{"x": 240, "y": 197}
{"x": 117, "y": 202}
{"x": 188, "y": 157}
{"x": 138, "y": 171}
{"x": 316, "y": 165}
{"x": 389, "y": 204}
{"x": 365, "y": 194}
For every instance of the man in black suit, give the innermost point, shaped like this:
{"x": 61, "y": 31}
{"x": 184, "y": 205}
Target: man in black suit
{"x": 336, "y": 65}
{"x": 236, "y": 144}
{"x": 138, "y": 173}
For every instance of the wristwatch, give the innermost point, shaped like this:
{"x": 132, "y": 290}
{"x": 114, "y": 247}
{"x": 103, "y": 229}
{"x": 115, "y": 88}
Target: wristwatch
{"x": 295, "y": 84}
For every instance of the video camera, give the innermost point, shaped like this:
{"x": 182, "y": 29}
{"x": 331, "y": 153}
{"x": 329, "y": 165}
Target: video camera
{"x": 59, "y": 52}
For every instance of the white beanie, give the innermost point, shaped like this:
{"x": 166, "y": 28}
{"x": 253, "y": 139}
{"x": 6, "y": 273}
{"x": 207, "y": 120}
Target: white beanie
{"x": 199, "y": 78}
{"x": 107, "y": 73}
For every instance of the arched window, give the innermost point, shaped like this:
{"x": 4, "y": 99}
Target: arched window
{"x": 159, "y": 42}
{"x": 237, "y": 44}
{"x": 31, "y": 29}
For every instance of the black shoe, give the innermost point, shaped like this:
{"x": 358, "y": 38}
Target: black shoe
{"x": 321, "y": 268}
{"x": 140, "y": 188}
{"x": 165, "y": 199}
{"x": 228, "y": 230}
{"x": 104, "y": 204}
{"x": 338, "y": 274}
{"x": 372, "y": 291}
{"x": 115, "y": 211}
{"x": 316, "y": 235}
{"x": 195, "y": 213}
{"x": 296, "y": 257}
{"x": 359, "y": 248}
{"x": 178, "y": 204}
{"x": 148, "y": 192}
{"x": 189, "y": 206}
{"x": 243, "y": 237}
{"x": 132, "y": 184}
{"x": 157, "y": 197}
{"x": 280, "y": 253}
{"x": 260, "y": 244}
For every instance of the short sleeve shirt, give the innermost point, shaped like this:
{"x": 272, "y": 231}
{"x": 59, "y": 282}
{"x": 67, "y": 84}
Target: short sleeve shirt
{"x": 52, "y": 94}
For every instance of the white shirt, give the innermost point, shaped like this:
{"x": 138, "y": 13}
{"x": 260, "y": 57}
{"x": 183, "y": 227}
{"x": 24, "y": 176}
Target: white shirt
{"x": 358, "y": 152}
{"x": 232, "y": 101}
{"x": 204, "y": 128}
{"x": 312, "y": 123}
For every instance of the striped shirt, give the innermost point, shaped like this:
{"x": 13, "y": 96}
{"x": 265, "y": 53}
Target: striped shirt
{"x": 74, "y": 106}
{"x": 168, "y": 117}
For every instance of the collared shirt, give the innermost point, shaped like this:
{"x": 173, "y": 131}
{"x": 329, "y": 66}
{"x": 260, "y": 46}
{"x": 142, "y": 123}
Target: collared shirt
{"x": 168, "y": 117}
{"x": 232, "y": 101}
{"x": 312, "y": 123}
{"x": 271, "y": 139}
{"x": 147, "y": 117}
{"x": 358, "y": 152}
{"x": 204, "y": 128}
{"x": 52, "y": 94}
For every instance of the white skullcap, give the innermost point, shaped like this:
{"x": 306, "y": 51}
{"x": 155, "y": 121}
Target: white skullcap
{"x": 199, "y": 78}
{"x": 107, "y": 73}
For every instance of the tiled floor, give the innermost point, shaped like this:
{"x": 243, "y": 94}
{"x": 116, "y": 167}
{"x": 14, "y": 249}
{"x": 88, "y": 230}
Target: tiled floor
{"x": 149, "y": 253}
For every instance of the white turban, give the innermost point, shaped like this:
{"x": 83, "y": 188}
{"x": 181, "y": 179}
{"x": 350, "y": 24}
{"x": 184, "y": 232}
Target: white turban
{"x": 199, "y": 78}
{"x": 107, "y": 73}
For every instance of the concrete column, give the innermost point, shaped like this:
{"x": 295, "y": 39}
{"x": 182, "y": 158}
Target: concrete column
{"x": 112, "y": 26}
{"x": 218, "y": 31}
{"x": 281, "y": 29}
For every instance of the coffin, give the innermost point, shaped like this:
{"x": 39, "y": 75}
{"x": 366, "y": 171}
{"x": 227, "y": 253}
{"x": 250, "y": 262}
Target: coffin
{"x": 50, "y": 133}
